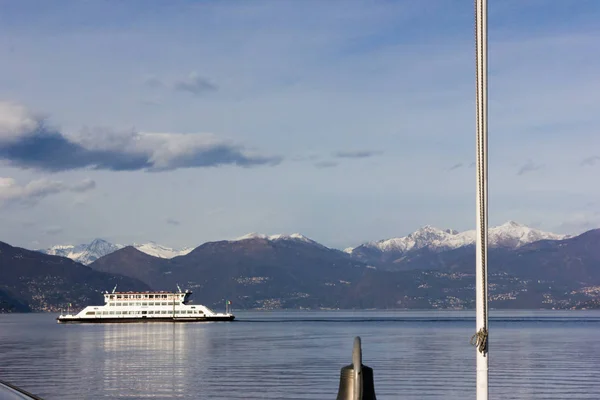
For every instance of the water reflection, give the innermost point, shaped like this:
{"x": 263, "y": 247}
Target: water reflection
{"x": 267, "y": 356}
{"x": 157, "y": 360}
{"x": 144, "y": 359}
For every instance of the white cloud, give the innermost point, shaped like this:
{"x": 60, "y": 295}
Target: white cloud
{"x": 358, "y": 154}
{"x": 16, "y": 120}
{"x": 32, "y": 192}
{"x": 529, "y": 166}
{"x": 34, "y": 145}
{"x": 296, "y": 80}
{"x": 83, "y": 186}
{"x": 194, "y": 84}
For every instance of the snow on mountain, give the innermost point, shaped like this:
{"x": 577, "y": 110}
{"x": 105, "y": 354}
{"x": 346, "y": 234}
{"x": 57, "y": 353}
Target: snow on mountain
{"x": 160, "y": 251}
{"x": 84, "y": 253}
{"x": 510, "y": 235}
{"x": 90, "y": 252}
{"x": 62, "y": 250}
{"x": 280, "y": 237}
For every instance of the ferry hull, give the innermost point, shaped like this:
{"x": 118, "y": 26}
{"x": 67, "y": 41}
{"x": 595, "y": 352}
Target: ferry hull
{"x": 143, "y": 320}
{"x": 143, "y": 307}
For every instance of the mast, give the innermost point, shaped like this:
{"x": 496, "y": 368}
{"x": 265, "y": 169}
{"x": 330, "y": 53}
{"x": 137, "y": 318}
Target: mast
{"x": 480, "y": 339}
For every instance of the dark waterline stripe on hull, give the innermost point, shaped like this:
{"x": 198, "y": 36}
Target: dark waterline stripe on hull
{"x": 140, "y": 320}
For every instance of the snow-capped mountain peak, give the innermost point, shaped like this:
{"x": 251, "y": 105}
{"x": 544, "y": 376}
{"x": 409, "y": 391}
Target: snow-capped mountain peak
{"x": 513, "y": 234}
{"x": 84, "y": 253}
{"x": 157, "y": 250}
{"x": 87, "y": 253}
{"x": 252, "y": 235}
{"x": 294, "y": 236}
{"x": 510, "y": 234}
{"x": 276, "y": 238}
{"x": 423, "y": 237}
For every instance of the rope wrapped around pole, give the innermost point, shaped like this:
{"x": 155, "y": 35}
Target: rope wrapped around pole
{"x": 481, "y": 338}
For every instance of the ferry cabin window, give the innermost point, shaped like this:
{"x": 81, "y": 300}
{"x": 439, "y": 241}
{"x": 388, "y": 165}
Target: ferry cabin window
{"x": 90, "y": 313}
{"x": 144, "y": 304}
{"x": 118, "y": 304}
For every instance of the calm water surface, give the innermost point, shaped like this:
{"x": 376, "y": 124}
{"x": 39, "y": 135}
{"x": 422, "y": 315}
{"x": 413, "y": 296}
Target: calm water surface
{"x": 298, "y": 355}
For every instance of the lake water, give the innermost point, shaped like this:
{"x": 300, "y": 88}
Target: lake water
{"x": 298, "y": 355}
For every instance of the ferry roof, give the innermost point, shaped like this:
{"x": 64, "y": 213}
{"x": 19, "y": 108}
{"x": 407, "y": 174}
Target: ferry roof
{"x": 158, "y": 292}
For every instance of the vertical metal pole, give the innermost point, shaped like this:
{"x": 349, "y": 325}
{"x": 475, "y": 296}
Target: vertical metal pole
{"x": 482, "y": 201}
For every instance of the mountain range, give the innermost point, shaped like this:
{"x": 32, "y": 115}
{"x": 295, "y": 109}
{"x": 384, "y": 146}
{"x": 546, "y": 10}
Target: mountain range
{"x": 528, "y": 268}
{"x": 292, "y": 271}
{"x": 508, "y": 235}
{"x": 33, "y": 281}
{"x": 89, "y": 252}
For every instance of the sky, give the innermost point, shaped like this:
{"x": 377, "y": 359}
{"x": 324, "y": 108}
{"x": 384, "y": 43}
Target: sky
{"x": 183, "y": 122}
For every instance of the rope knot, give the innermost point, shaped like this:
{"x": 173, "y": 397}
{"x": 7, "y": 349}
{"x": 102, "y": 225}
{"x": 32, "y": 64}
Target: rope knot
{"x": 480, "y": 340}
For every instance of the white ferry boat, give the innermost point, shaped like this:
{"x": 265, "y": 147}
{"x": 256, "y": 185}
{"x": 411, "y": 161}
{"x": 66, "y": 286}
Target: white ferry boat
{"x": 145, "y": 307}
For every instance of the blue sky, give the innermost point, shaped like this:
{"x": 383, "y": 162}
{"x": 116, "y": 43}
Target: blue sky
{"x": 188, "y": 121}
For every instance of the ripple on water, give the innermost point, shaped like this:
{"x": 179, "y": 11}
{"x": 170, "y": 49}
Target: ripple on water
{"x": 299, "y": 356}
